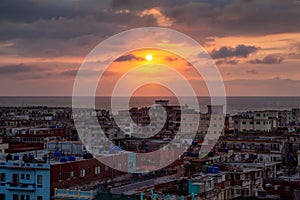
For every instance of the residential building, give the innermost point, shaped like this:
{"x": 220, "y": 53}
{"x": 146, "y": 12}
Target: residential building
{"x": 24, "y": 181}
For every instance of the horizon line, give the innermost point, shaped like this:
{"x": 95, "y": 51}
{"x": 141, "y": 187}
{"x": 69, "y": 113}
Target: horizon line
{"x": 159, "y": 96}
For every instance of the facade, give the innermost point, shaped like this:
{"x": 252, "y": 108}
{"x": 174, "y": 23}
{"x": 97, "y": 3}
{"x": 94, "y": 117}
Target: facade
{"x": 210, "y": 186}
{"x": 24, "y": 181}
{"x": 245, "y": 182}
{"x": 285, "y": 117}
{"x": 283, "y": 187}
{"x": 3, "y": 146}
{"x": 261, "y": 149}
{"x": 212, "y": 124}
{"x": 246, "y": 124}
{"x": 190, "y": 122}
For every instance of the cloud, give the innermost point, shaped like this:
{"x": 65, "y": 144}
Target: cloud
{"x": 69, "y": 28}
{"x": 170, "y": 58}
{"x": 266, "y": 87}
{"x": 73, "y": 73}
{"x": 59, "y": 25}
{"x": 269, "y": 59}
{"x": 230, "y": 62}
{"x": 252, "y": 71}
{"x": 129, "y": 57}
{"x": 120, "y": 3}
{"x": 239, "y": 51}
{"x": 69, "y": 73}
{"x": 161, "y": 19}
{"x": 236, "y": 17}
{"x": 18, "y": 68}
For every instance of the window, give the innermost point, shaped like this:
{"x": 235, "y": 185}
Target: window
{"x": 27, "y": 197}
{"x": 232, "y": 192}
{"x": 27, "y": 176}
{"x": 15, "y": 197}
{"x": 22, "y": 197}
{"x": 82, "y": 173}
{"x": 68, "y": 174}
{"x": 39, "y": 198}
{"x": 97, "y": 170}
{"x": 287, "y": 188}
{"x": 15, "y": 178}
{"x": 60, "y": 176}
{"x": 22, "y": 176}
{"x": 2, "y": 177}
{"x": 40, "y": 179}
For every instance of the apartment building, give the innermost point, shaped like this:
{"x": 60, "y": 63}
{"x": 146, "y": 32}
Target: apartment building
{"x": 24, "y": 181}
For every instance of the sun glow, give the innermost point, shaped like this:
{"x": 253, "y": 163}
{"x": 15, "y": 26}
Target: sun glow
{"x": 149, "y": 57}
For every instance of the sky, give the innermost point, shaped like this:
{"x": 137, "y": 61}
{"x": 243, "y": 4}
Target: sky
{"x": 254, "y": 43}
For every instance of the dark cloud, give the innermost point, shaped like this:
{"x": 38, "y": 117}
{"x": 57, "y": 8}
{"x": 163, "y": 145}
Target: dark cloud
{"x": 63, "y": 23}
{"x": 32, "y": 10}
{"x": 73, "y": 72}
{"x": 239, "y": 51}
{"x": 252, "y": 71}
{"x": 269, "y": 59}
{"x": 217, "y": 18}
{"x": 15, "y": 69}
{"x": 236, "y": 17}
{"x": 230, "y": 62}
{"x": 129, "y": 57}
{"x": 69, "y": 73}
{"x": 170, "y": 58}
{"x": 34, "y": 76}
{"x": 121, "y": 3}
{"x": 265, "y": 87}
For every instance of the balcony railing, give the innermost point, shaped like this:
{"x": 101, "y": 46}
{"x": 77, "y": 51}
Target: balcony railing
{"x": 65, "y": 193}
{"x": 20, "y": 186}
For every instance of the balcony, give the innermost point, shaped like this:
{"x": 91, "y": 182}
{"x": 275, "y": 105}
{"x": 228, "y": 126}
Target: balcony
{"x": 258, "y": 181}
{"x": 246, "y": 183}
{"x": 66, "y": 193}
{"x": 20, "y": 186}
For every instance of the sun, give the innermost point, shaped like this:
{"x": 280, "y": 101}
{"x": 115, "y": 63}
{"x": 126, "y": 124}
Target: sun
{"x": 149, "y": 57}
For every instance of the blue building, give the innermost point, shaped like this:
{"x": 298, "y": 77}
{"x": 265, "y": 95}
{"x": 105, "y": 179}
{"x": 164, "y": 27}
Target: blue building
{"x": 24, "y": 181}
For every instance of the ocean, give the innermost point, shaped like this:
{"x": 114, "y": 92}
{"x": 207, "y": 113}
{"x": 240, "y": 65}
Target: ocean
{"x": 234, "y": 104}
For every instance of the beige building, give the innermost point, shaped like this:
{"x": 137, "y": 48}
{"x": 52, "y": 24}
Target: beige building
{"x": 250, "y": 124}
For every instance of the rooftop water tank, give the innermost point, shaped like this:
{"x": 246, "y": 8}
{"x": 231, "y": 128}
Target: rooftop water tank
{"x": 209, "y": 169}
{"x": 72, "y": 158}
{"x": 204, "y": 169}
{"x": 64, "y": 159}
{"x": 216, "y": 169}
{"x": 57, "y": 154}
{"x": 87, "y": 156}
{"x": 215, "y": 165}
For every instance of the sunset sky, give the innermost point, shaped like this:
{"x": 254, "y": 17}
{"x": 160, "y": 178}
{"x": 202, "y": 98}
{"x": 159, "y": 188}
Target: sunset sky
{"x": 254, "y": 43}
